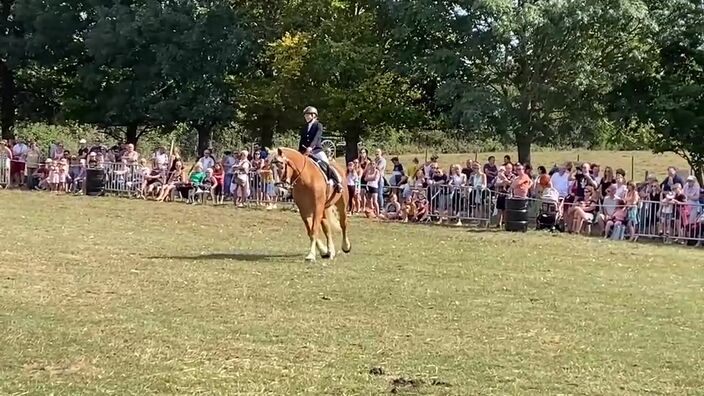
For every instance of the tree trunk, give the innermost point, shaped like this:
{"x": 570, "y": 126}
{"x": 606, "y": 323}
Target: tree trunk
{"x": 7, "y": 101}
{"x": 266, "y": 134}
{"x": 352, "y": 143}
{"x": 131, "y": 134}
{"x": 205, "y": 135}
{"x": 523, "y": 141}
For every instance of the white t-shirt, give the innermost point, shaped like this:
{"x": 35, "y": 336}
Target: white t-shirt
{"x": 161, "y": 160}
{"x": 609, "y": 205}
{"x": 621, "y": 191}
{"x": 207, "y": 162}
{"x": 19, "y": 152}
{"x": 561, "y": 183}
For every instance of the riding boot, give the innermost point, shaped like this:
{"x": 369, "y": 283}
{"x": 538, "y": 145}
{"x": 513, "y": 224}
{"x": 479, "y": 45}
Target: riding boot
{"x": 332, "y": 175}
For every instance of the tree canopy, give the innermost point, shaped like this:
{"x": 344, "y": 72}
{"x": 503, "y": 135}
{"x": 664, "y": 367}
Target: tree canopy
{"x": 524, "y": 72}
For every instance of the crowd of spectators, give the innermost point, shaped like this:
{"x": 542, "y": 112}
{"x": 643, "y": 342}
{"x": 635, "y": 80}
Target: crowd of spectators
{"x": 583, "y": 194}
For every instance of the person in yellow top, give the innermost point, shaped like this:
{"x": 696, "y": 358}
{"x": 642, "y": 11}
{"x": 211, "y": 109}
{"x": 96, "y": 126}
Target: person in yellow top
{"x": 413, "y": 169}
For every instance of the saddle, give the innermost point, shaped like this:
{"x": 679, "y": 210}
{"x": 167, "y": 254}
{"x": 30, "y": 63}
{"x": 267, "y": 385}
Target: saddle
{"x": 327, "y": 171}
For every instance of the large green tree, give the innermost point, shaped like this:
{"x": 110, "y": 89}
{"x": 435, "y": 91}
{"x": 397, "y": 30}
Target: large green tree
{"x": 668, "y": 91}
{"x": 333, "y": 55}
{"x": 152, "y": 64}
{"x": 528, "y": 71}
{"x": 38, "y": 48}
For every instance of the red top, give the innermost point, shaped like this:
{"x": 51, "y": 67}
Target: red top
{"x": 219, "y": 176}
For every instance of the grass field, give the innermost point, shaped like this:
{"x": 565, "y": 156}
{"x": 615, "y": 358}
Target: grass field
{"x": 635, "y": 163}
{"x": 110, "y": 296}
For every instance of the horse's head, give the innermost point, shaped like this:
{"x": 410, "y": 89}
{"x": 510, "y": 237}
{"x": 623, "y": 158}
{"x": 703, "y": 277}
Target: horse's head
{"x": 282, "y": 169}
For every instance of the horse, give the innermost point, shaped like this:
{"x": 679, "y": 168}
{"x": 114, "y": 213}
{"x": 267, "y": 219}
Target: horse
{"x": 316, "y": 200}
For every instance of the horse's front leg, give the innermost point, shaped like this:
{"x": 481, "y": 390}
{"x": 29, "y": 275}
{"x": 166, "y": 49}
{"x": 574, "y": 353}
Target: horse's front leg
{"x": 309, "y": 221}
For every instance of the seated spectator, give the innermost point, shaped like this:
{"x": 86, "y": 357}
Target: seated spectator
{"x": 153, "y": 180}
{"x": 78, "y": 178}
{"x": 608, "y": 207}
{"x": 175, "y": 181}
{"x": 195, "y": 179}
{"x": 41, "y": 175}
{"x": 618, "y": 219}
{"x": 584, "y": 211}
{"x": 394, "y": 211}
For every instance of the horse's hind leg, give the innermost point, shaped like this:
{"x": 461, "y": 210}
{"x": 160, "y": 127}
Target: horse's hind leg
{"x": 344, "y": 222}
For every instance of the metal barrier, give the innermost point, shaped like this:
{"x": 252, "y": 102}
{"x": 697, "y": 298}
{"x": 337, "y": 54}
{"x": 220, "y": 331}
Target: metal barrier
{"x": 668, "y": 220}
{"x": 4, "y": 171}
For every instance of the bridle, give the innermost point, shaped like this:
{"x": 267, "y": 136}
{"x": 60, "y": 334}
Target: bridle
{"x": 287, "y": 182}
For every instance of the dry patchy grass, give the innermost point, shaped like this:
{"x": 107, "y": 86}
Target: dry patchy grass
{"x": 109, "y": 296}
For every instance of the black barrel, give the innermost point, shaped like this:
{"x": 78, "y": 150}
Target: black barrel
{"x": 95, "y": 181}
{"x": 517, "y": 214}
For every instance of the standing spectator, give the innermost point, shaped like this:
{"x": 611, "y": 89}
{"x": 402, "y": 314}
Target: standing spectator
{"x": 491, "y": 171}
{"x": 671, "y": 179}
{"x": 380, "y": 163}
{"x": 161, "y": 159}
{"x": 561, "y": 182}
{"x": 691, "y": 191}
{"x": 607, "y": 181}
{"x": 371, "y": 177}
{"x": 228, "y": 162}
{"x": 216, "y": 190}
{"x": 415, "y": 165}
{"x": 34, "y": 159}
{"x": 56, "y": 151}
{"x": 241, "y": 184}
{"x": 398, "y": 174}
{"x": 130, "y": 156}
{"x": 456, "y": 183}
{"x": 18, "y": 163}
{"x": 352, "y": 183}
{"x": 632, "y": 201}
{"x": 521, "y": 185}
{"x": 507, "y": 160}
{"x": 207, "y": 161}
{"x": 83, "y": 149}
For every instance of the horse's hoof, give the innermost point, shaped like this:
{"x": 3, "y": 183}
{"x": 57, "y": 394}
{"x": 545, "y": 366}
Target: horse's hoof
{"x": 310, "y": 259}
{"x": 325, "y": 255}
{"x": 349, "y": 249}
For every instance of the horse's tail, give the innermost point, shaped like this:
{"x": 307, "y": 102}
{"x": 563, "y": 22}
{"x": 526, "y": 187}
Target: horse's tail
{"x": 333, "y": 218}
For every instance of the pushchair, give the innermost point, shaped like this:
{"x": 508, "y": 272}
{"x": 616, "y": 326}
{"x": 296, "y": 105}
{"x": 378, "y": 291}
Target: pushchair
{"x": 550, "y": 216}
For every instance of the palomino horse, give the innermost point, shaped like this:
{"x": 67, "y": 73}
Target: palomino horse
{"x": 316, "y": 200}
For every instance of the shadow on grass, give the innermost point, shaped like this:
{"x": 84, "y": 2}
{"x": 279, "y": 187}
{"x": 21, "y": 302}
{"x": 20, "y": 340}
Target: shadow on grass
{"x": 231, "y": 256}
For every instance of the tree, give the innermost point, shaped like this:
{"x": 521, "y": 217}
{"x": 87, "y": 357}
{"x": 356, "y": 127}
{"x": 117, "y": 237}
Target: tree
{"x": 37, "y": 48}
{"x": 332, "y": 55}
{"x": 667, "y": 92}
{"x": 530, "y": 71}
{"x": 152, "y": 65}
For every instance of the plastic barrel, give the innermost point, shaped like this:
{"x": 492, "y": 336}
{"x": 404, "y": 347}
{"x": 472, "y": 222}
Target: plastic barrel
{"x": 95, "y": 181}
{"x": 517, "y": 215}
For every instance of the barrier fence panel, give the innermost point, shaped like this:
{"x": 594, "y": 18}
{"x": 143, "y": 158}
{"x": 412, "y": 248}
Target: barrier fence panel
{"x": 670, "y": 221}
{"x": 667, "y": 220}
{"x": 4, "y": 171}
{"x": 460, "y": 204}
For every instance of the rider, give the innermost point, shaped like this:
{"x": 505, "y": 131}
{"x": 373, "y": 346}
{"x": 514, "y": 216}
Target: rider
{"x": 311, "y": 144}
